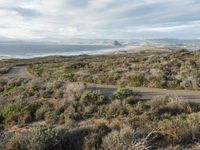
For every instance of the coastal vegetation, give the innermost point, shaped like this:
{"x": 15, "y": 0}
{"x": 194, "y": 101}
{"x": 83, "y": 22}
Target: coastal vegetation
{"x": 55, "y": 109}
{"x": 176, "y": 70}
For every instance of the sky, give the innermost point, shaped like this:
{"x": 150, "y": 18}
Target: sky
{"x": 99, "y": 19}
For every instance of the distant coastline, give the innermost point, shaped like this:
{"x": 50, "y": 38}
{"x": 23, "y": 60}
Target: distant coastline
{"x": 32, "y": 51}
{"x": 27, "y": 50}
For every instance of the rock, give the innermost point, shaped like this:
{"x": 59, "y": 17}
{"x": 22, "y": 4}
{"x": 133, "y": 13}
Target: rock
{"x": 116, "y": 43}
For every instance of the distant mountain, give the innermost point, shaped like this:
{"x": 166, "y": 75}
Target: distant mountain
{"x": 116, "y": 43}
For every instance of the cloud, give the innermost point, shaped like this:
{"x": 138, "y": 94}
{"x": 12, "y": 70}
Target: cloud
{"x": 62, "y": 19}
{"x": 25, "y": 12}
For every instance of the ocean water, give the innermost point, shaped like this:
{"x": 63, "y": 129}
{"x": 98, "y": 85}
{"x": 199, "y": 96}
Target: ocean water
{"x": 80, "y": 47}
{"x": 40, "y": 50}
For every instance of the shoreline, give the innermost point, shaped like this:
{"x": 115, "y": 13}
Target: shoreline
{"x": 115, "y": 51}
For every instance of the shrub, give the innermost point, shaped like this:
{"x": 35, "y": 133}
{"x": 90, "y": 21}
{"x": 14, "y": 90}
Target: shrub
{"x": 94, "y": 140}
{"x": 70, "y": 123}
{"x": 74, "y": 115}
{"x": 117, "y": 123}
{"x": 5, "y": 70}
{"x": 74, "y": 139}
{"x": 142, "y": 121}
{"x": 159, "y": 100}
{"x": 1, "y": 119}
{"x": 18, "y": 142}
{"x": 12, "y": 112}
{"x": 131, "y": 100}
{"x": 58, "y": 84}
{"x": 118, "y": 140}
{"x": 74, "y": 91}
{"x": 101, "y": 124}
{"x": 92, "y": 98}
{"x": 9, "y": 91}
{"x": 2, "y": 127}
{"x": 51, "y": 117}
{"x": 3, "y": 82}
{"x": 174, "y": 84}
{"x": 136, "y": 80}
{"x": 45, "y": 107}
{"x": 58, "y": 94}
{"x": 181, "y": 129}
{"x": 89, "y": 110}
{"x": 45, "y": 137}
{"x": 36, "y": 85}
{"x": 116, "y": 109}
{"x": 140, "y": 107}
{"x": 123, "y": 93}
{"x": 160, "y": 83}
{"x": 172, "y": 106}
{"x": 47, "y": 93}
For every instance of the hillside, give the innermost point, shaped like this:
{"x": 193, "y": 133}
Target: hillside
{"x": 176, "y": 70}
{"x": 53, "y": 108}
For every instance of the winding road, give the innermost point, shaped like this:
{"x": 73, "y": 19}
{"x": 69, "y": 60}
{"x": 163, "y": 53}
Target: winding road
{"x": 18, "y": 71}
{"x": 147, "y": 93}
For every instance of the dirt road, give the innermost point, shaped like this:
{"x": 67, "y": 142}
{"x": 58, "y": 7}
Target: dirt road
{"x": 18, "y": 71}
{"x": 147, "y": 93}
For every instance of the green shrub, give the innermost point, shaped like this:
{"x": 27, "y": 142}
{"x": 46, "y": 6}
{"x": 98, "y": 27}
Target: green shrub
{"x": 13, "y": 112}
{"x": 93, "y": 98}
{"x": 45, "y": 137}
{"x": 9, "y": 91}
{"x": 123, "y": 93}
{"x": 2, "y": 127}
{"x": 35, "y": 88}
{"x": 160, "y": 83}
{"x": 136, "y": 80}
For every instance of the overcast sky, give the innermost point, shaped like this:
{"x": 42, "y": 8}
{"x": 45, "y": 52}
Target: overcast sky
{"x": 112, "y": 19}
